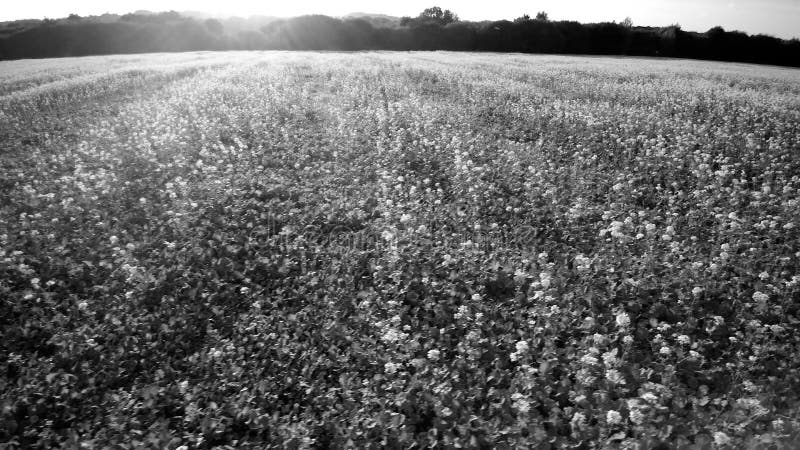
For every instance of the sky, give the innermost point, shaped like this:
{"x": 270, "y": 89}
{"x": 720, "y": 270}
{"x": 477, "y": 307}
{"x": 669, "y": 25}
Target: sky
{"x": 779, "y": 18}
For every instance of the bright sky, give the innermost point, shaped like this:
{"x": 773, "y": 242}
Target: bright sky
{"x": 776, "y": 17}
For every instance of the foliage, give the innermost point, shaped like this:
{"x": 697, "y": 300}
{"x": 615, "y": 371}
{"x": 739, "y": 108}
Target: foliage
{"x": 627, "y": 22}
{"x": 433, "y": 29}
{"x": 431, "y": 16}
{"x": 271, "y": 250}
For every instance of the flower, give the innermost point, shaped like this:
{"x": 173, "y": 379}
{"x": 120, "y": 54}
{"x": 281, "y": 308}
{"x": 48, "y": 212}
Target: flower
{"x": 614, "y": 376}
{"x": 637, "y": 416}
{"x": 521, "y": 404}
{"x": 393, "y": 335}
{"x": 610, "y": 358}
{"x": 623, "y": 319}
{"x": 578, "y": 421}
{"x": 582, "y": 263}
{"x": 546, "y": 279}
{"x": 776, "y": 328}
{"x": 589, "y": 360}
{"x": 649, "y": 397}
{"x": 721, "y": 438}
{"x": 418, "y": 363}
{"x": 390, "y": 367}
{"x": 522, "y": 347}
{"x": 613, "y": 417}
{"x": 434, "y": 354}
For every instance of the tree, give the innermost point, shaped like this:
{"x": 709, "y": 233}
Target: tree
{"x": 523, "y": 18}
{"x": 449, "y": 17}
{"x": 627, "y": 23}
{"x": 716, "y": 32}
{"x": 541, "y": 15}
{"x": 433, "y": 15}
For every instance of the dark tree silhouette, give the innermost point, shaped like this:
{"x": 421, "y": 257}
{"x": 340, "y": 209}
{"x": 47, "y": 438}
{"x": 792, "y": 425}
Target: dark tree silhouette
{"x": 433, "y": 29}
{"x": 431, "y": 16}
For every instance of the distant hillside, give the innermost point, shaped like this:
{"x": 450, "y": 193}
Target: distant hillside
{"x": 434, "y": 29}
{"x": 377, "y": 20}
{"x": 17, "y": 26}
{"x": 9, "y": 28}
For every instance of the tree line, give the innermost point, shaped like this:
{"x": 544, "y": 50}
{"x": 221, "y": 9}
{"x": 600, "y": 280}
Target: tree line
{"x": 433, "y": 29}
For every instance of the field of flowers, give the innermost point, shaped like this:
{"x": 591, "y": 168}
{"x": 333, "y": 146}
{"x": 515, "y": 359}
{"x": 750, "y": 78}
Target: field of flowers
{"x": 402, "y": 250}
